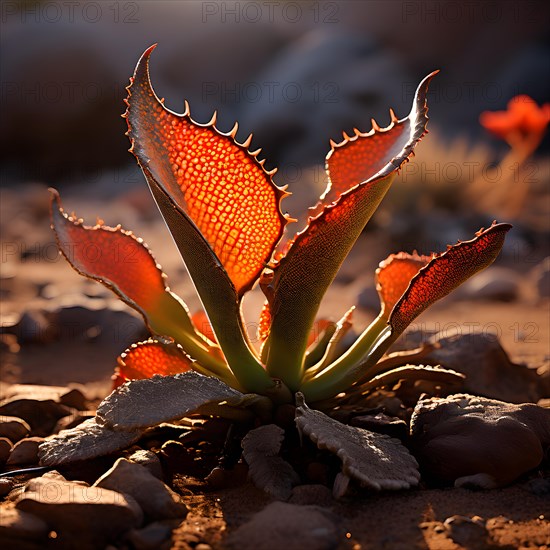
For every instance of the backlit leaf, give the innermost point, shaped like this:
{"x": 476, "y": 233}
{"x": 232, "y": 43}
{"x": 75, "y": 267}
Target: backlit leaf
{"x": 393, "y": 277}
{"x": 217, "y": 182}
{"x": 302, "y": 277}
{"x": 148, "y": 358}
{"x": 445, "y": 272}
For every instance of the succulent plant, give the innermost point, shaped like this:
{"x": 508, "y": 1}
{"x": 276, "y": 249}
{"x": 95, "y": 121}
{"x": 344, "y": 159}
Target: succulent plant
{"x": 224, "y": 213}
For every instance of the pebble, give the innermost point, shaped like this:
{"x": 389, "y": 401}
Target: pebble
{"x": 5, "y": 448}
{"x": 289, "y": 526}
{"x": 36, "y": 327}
{"x": 156, "y": 499}
{"x": 541, "y": 276}
{"x": 155, "y": 536}
{"x": 86, "y": 518}
{"x": 495, "y": 284}
{"x": 368, "y": 299}
{"x": 16, "y": 525}
{"x": 6, "y": 485}
{"x": 468, "y": 532}
{"x": 538, "y": 486}
{"x": 41, "y": 416}
{"x": 149, "y": 460}
{"x": 25, "y": 452}
{"x": 13, "y": 428}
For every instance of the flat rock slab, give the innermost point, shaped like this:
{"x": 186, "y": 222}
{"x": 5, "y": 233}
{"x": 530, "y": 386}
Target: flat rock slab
{"x": 87, "y": 517}
{"x": 156, "y": 499}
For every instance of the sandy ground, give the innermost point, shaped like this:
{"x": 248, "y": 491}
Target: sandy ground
{"x": 516, "y": 518}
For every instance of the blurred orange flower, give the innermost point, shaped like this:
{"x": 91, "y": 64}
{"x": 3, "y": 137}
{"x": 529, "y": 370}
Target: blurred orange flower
{"x": 522, "y": 118}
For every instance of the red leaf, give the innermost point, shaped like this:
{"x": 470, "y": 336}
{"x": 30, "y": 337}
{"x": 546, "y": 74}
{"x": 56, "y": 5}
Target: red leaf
{"x": 447, "y": 271}
{"x": 393, "y": 277}
{"x": 145, "y": 359}
{"x": 218, "y": 183}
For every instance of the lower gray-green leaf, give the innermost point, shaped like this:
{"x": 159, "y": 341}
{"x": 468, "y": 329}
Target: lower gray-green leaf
{"x": 144, "y": 403}
{"x": 87, "y": 440}
{"x": 267, "y": 470}
{"x": 377, "y": 461}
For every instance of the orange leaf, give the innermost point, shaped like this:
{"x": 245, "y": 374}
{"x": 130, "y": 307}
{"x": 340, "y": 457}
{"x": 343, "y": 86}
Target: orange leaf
{"x": 218, "y": 183}
{"x": 114, "y": 257}
{"x": 445, "y": 272}
{"x": 393, "y": 277}
{"x": 145, "y": 359}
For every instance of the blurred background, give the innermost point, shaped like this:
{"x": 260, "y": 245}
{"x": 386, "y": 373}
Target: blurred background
{"x": 295, "y": 74}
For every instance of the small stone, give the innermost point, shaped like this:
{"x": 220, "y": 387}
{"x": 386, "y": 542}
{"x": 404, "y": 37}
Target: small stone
{"x": 497, "y": 284}
{"x": 74, "y": 398}
{"x": 315, "y": 494}
{"x": 16, "y": 524}
{"x": 36, "y": 327}
{"x": 369, "y": 299}
{"x": 468, "y": 532}
{"x": 5, "y": 449}
{"x": 541, "y": 277}
{"x": 41, "y": 416}
{"x": 289, "y": 526}
{"x": 149, "y": 460}
{"x": 538, "y": 486}
{"x": 82, "y": 517}
{"x": 13, "y": 428}
{"x": 203, "y": 546}
{"x": 156, "y": 499}
{"x": 151, "y": 537}
{"x": 6, "y": 485}
{"x": 25, "y": 452}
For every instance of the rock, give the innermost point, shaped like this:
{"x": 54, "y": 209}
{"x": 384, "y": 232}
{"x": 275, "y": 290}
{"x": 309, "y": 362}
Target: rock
{"x": 538, "y": 486}
{"x": 368, "y": 299}
{"x": 6, "y": 485}
{"x": 36, "y": 327}
{"x": 83, "y": 517}
{"x": 468, "y": 532}
{"x": 478, "y": 442}
{"x": 487, "y": 367}
{"x": 74, "y": 398}
{"x": 16, "y": 524}
{"x": 42, "y": 416}
{"x": 149, "y": 460}
{"x": 5, "y": 449}
{"x": 13, "y": 428}
{"x": 153, "y": 537}
{"x": 541, "y": 278}
{"x": 289, "y": 526}
{"x": 319, "y": 495}
{"x": 496, "y": 283}
{"x": 156, "y": 499}
{"x": 25, "y": 452}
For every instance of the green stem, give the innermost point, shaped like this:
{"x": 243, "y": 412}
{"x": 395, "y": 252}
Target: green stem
{"x": 347, "y": 369}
